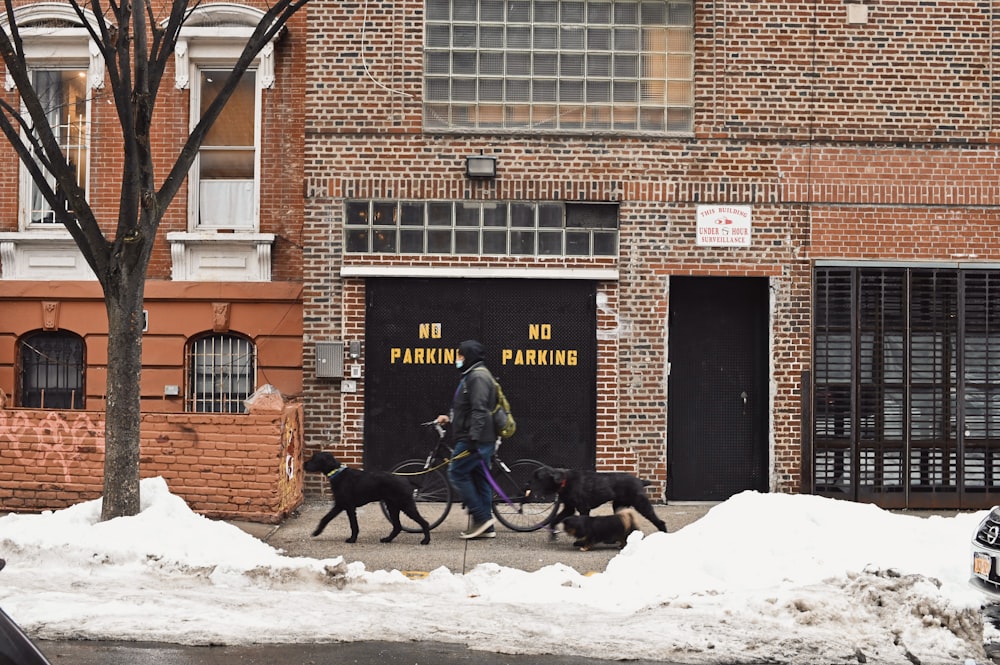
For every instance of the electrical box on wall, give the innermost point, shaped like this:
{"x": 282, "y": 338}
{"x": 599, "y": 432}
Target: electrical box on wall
{"x": 330, "y": 360}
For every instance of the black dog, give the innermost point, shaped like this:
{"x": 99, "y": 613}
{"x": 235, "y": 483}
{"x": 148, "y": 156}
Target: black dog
{"x": 353, "y": 487}
{"x": 582, "y": 491}
{"x": 609, "y": 529}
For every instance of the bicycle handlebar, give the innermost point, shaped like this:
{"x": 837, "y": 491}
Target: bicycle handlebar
{"x": 437, "y": 426}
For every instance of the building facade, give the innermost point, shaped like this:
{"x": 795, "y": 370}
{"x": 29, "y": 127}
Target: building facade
{"x": 722, "y": 245}
{"x": 224, "y": 291}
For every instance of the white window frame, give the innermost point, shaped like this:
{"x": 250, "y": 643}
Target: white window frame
{"x": 213, "y": 37}
{"x": 47, "y": 251}
{"x": 252, "y": 224}
{"x": 48, "y": 48}
{"x": 27, "y": 187}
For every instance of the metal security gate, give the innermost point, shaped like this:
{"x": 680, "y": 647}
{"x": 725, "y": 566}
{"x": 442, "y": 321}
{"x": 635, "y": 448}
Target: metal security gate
{"x": 541, "y": 345}
{"x": 907, "y": 386}
{"x": 718, "y": 399}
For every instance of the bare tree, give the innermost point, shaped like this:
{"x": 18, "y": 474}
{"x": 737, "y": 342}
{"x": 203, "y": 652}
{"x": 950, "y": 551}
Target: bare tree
{"x": 137, "y": 45}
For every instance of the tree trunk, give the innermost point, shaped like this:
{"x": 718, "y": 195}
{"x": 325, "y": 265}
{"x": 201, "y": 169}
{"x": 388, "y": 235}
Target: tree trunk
{"x": 123, "y": 415}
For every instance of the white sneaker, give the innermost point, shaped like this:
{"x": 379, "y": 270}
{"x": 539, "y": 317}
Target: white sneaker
{"x": 477, "y": 530}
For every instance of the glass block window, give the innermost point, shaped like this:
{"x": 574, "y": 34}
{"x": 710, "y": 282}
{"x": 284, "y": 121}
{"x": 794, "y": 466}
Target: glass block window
{"x": 586, "y": 65}
{"x": 222, "y": 371}
{"x": 514, "y": 228}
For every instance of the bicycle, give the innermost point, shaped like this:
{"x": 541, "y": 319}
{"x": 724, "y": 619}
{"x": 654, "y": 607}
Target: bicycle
{"x": 514, "y": 504}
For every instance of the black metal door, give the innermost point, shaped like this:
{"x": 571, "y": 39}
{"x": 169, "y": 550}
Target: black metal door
{"x": 717, "y": 390}
{"x": 541, "y": 344}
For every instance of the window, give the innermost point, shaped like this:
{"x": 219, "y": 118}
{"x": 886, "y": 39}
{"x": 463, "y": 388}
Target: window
{"x": 907, "y": 380}
{"x": 517, "y": 228}
{"x": 64, "y": 69}
{"x": 586, "y": 65}
{"x": 51, "y": 371}
{"x": 226, "y": 168}
{"x": 63, "y": 92}
{"x": 222, "y": 371}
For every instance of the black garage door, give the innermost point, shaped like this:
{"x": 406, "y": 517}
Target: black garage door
{"x": 541, "y": 345}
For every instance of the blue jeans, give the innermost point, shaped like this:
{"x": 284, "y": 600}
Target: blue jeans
{"x": 469, "y": 479}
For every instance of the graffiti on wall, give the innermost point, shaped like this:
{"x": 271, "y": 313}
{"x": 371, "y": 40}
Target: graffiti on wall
{"x": 289, "y": 480}
{"x": 54, "y": 439}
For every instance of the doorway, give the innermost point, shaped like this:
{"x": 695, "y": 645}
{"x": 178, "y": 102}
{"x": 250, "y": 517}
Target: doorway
{"x": 717, "y": 413}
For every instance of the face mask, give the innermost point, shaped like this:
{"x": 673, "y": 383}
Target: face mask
{"x": 459, "y": 363}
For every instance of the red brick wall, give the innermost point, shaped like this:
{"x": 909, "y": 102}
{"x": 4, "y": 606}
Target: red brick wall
{"x": 246, "y": 467}
{"x": 871, "y": 141}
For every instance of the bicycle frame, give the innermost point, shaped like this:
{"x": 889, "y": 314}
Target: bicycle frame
{"x": 513, "y": 504}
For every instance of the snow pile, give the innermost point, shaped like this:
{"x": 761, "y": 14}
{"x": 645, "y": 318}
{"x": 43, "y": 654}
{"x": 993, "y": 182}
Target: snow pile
{"x": 762, "y": 577}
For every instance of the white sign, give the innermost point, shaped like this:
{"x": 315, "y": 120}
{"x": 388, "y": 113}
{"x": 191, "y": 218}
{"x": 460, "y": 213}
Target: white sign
{"x": 724, "y": 226}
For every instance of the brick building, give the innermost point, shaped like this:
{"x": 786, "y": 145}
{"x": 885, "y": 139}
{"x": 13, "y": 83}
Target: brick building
{"x": 223, "y": 300}
{"x": 726, "y": 245}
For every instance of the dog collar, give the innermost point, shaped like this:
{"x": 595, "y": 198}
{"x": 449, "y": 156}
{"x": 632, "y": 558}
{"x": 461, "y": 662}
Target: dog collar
{"x": 335, "y": 471}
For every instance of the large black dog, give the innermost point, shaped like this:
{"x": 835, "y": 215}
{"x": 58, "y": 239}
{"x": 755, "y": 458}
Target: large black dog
{"x": 353, "y": 487}
{"x": 582, "y": 491}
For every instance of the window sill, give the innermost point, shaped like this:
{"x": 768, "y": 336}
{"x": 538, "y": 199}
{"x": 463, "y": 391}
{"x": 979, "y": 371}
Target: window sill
{"x": 220, "y": 257}
{"x": 47, "y": 254}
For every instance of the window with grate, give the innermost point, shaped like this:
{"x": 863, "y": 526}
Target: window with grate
{"x": 907, "y": 379}
{"x": 51, "y": 372}
{"x": 222, "y": 371}
{"x": 515, "y": 228}
{"x": 566, "y": 65}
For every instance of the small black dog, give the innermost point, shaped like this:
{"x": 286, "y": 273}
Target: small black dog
{"x": 609, "y": 529}
{"x": 353, "y": 487}
{"x": 582, "y": 491}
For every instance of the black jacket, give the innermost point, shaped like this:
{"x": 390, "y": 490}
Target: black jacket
{"x": 475, "y": 397}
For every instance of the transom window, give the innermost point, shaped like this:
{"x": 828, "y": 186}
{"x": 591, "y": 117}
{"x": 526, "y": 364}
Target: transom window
{"x": 520, "y": 228}
{"x": 222, "y": 370}
{"x": 51, "y": 371}
{"x": 616, "y": 65}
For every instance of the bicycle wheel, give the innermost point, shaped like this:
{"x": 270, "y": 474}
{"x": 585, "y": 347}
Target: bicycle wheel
{"x": 526, "y": 510}
{"x": 431, "y": 491}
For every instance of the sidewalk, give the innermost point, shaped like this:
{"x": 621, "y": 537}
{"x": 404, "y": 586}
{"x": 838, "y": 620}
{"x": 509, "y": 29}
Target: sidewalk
{"x": 526, "y": 551}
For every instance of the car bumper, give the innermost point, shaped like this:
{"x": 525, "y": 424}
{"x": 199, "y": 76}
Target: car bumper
{"x": 986, "y": 571}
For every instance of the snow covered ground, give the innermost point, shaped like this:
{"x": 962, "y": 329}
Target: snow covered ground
{"x": 761, "y": 578}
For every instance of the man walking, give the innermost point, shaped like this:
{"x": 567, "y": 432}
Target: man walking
{"x": 475, "y": 438}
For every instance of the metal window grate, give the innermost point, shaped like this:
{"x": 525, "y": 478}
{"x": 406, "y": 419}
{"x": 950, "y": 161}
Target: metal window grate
{"x": 907, "y": 383}
{"x": 222, "y": 370}
{"x": 52, "y": 371}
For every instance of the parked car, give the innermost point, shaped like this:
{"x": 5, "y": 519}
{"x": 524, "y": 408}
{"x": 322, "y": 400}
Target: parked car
{"x": 15, "y": 647}
{"x": 986, "y": 555}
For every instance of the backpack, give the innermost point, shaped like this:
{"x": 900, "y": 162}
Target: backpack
{"x": 503, "y": 419}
